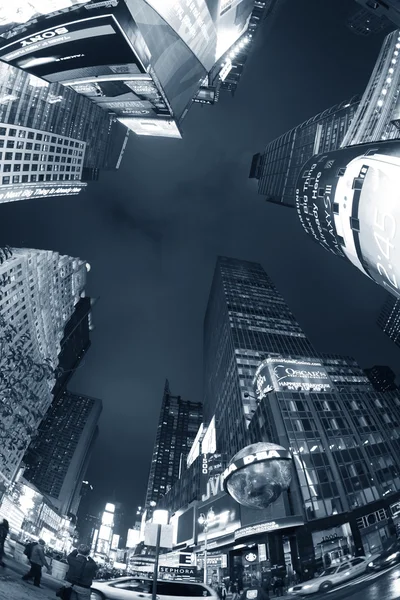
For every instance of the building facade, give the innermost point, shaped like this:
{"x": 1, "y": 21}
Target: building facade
{"x": 374, "y": 118}
{"x": 278, "y": 167}
{"x": 382, "y": 378}
{"x": 375, "y": 16}
{"x": 177, "y": 428}
{"x": 62, "y": 447}
{"x": 246, "y": 318}
{"x": 389, "y": 319}
{"x": 142, "y": 61}
{"x": 38, "y": 292}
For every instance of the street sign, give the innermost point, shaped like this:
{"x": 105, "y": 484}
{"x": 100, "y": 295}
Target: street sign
{"x": 185, "y": 571}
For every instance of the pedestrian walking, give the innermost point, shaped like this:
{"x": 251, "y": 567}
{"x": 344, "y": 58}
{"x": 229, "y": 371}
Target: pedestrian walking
{"x": 81, "y": 572}
{"x": 37, "y": 560}
{"x": 278, "y": 586}
{"x": 4, "y": 529}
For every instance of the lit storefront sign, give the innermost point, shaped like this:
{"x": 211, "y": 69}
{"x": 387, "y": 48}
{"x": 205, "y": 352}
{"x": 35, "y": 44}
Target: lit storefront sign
{"x": 268, "y": 526}
{"x": 214, "y": 560}
{"x": 275, "y": 374}
{"x": 25, "y": 192}
{"x": 115, "y": 542}
{"x": 395, "y": 509}
{"x": 262, "y": 552}
{"x": 152, "y": 127}
{"x": 372, "y": 519}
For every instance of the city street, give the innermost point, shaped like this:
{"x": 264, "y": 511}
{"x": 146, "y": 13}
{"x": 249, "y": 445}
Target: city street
{"x": 371, "y": 586}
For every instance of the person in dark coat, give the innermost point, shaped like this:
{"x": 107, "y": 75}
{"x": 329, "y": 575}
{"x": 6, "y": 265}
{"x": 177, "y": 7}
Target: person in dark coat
{"x": 4, "y": 529}
{"x": 82, "y": 570}
{"x": 37, "y": 560}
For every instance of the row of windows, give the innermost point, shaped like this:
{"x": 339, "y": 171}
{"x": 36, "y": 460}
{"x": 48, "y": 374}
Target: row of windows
{"x": 30, "y": 135}
{"x": 6, "y": 180}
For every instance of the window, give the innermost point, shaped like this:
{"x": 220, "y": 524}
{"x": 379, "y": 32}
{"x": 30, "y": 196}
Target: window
{"x": 3, "y": 131}
{"x": 17, "y": 167}
{"x": 16, "y": 179}
{"x": 21, "y": 133}
{"x": 35, "y": 157}
{"x": 18, "y": 156}
{"x": 37, "y": 146}
{"x": 39, "y": 136}
{"x": 356, "y": 562}
{"x": 53, "y": 139}
{"x": 6, "y": 180}
{"x": 24, "y": 178}
{"x": 25, "y": 167}
{"x": 33, "y": 178}
{"x": 31, "y": 135}
{"x": 7, "y": 168}
{"x": 8, "y": 155}
{"x": 13, "y": 132}
{"x": 29, "y": 145}
{"x": 344, "y": 567}
{"x": 10, "y": 144}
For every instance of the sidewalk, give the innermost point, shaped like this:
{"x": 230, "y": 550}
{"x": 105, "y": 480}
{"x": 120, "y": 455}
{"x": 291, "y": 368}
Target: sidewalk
{"x": 12, "y": 588}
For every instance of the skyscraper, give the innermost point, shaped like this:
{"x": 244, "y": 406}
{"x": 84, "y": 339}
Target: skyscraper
{"x": 74, "y": 344}
{"x": 382, "y": 378}
{"x": 38, "y": 292}
{"x": 389, "y": 319}
{"x": 144, "y": 61}
{"x": 177, "y": 428}
{"x": 374, "y": 16}
{"x": 246, "y": 318}
{"x": 51, "y": 138}
{"x": 278, "y": 167}
{"x": 62, "y": 447}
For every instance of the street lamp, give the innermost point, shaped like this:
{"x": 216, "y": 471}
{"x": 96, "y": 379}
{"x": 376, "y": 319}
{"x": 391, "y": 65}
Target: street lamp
{"x": 160, "y": 518}
{"x": 205, "y": 521}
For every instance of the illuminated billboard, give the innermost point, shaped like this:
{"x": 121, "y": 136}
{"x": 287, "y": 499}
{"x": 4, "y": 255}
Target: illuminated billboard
{"x": 223, "y": 517}
{"x": 277, "y": 374}
{"x": 349, "y": 201}
{"x": 75, "y": 48}
{"x": 105, "y": 532}
{"x": 18, "y": 12}
{"x": 11, "y": 193}
{"x": 193, "y": 23}
{"x": 152, "y": 127}
{"x": 126, "y": 95}
{"x": 232, "y": 23}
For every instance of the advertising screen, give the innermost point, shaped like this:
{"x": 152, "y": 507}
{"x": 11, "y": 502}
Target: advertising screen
{"x": 105, "y": 532}
{"x": 193, "y": 23}
{"x": 18, "y": 12}
{"x": 222, "y": 514}
{"x": 185, "y": 532}
{"x": 125, "y": 95}
{"x": 153, "y": 127}
{"x": 71, "y": 47}
{"x": 276, "y": 374}
{"x": 232, "y": 23}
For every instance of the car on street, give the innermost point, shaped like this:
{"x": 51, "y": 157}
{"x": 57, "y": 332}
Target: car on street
{"x": 385, "y": 559}
{"x": 134, "y": 588}
{"x": 331, "y": 577}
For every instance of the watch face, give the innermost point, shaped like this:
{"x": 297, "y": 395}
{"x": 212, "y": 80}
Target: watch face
{"x": 251, "y": 557}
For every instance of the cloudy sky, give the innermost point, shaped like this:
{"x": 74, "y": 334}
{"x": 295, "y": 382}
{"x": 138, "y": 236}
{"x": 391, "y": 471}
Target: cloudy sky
{"x": 152, "y": 232}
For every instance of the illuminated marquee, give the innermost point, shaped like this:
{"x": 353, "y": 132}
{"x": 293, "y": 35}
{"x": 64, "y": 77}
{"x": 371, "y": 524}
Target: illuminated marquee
{"x": 268, "y": 526}
{"x": 25, "y": 192}
{"x": 276, "y": 374}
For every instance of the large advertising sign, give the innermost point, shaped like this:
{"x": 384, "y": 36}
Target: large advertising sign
{"x": 232, "y": 23}
{"x": 349, "y": 201}
{"x": 277, "y": 374}
{"x": 18, "y": 12}
{"x": 73, "y": 47}
{"x": 125, "y": 95}
{"x": 185, "y": 528}
{"x": 223, "y": 517}
{"x": 192, "y": 21}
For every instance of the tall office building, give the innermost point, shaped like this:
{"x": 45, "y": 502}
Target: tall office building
{"x": 52, "y": 140}
{"x": 62, "y": 447}
{"x": 278, "y": 167}
{"x": 143, "y": 61}
{"x": 246, "y": 318}
{"x": 382, "y": 378}
{"x": 38, "y": 292}
{"x": 375, "y": 16}
{"x": 177, "y": 428}
{"x": 374, "y": 119}
{"x": 389, "y": 319}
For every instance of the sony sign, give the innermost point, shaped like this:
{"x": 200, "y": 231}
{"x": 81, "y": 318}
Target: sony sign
{"x": 43, "y": 36}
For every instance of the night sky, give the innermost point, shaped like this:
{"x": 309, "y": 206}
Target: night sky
{"x": 152, "y": 232}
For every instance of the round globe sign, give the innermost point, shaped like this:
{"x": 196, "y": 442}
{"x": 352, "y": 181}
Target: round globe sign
{"x": 257, "y": 475}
